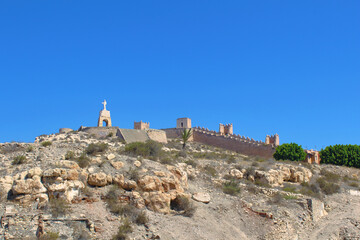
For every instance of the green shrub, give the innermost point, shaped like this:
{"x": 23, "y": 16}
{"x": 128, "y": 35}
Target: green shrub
{"x": 231, "y": 187}
{"x": 46, "y": 143}
{"x": 291, "y": 189}
{"x": 124, "y": 229}
{"x": 144, "y": 149}
{"x": 343, "y": 155}
{"x": 290, "y": 151}
{"x": 70, "y": 155}
{"x": 95, "y": 148}
{"x": 83, "y": 161}
{"x": 59, "y": 207}
{"x": 20, "y": 159}
{"x": 183, "y": 205}
{"x": 289, "y": 197}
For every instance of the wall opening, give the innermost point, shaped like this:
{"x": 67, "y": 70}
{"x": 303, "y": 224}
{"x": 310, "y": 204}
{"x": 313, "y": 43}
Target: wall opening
{"x": 182, "y": 124}
{"x": 105, "y": 123}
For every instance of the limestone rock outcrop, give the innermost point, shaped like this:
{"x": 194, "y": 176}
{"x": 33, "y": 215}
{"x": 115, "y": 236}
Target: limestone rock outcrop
{"x": 284, "y": 173}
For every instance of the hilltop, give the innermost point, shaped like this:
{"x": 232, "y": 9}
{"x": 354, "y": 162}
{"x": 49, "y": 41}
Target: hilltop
{"x": 75, "y": 185}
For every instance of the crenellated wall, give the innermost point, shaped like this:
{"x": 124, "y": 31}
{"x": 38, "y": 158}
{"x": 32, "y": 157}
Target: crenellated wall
{"x": 233, "y": 142}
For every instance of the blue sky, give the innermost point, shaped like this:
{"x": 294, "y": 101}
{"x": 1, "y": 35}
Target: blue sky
{"x": 286, "y": 67}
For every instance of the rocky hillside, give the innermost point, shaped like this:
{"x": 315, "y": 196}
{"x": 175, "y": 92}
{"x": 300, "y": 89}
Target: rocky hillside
{"x": 74, "y": 186}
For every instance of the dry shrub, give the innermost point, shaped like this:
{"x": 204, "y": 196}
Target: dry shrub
{"x": 183, "y": 205}
{"x": 95, "y": 148}
{"x": 145, "y": 149}
{"x": 123, "y": 231}
{"x": 83, "y": 161}
{"x": 46, "y": 143}
{"x": 231, "y": 187}
{"x": 327, "y": 187}
{"x": 59, "y": 207}
{"x": 20, "y": 159}
{"x": 70, "y": 155}
{"x": 210, "y": 170}
{"x": 49, "y": 236}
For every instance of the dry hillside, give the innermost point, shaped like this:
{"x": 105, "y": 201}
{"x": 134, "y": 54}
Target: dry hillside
{"x": 73, "y": 186}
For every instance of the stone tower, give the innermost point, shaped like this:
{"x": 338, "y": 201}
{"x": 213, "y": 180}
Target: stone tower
{"x": 104, "y": 116}
{"x": 183, "y": 123}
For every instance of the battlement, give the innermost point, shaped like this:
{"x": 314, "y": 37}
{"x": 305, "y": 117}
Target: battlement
{"x": 273, "y": 140}
{"x": 141, "y": 125}
{"x": 236, "y": 137}
{"x": 233, "y": 142}
{"x": 226, "y": 129}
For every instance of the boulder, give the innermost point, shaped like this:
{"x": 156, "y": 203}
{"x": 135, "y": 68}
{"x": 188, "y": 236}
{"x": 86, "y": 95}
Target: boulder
{"x": 98, "y": 179}
{"x": 201, "y": 197}
{"x": 34, "y": 172}
{"x": 28, "y": 186}
{"x": 150, "y": 183}
{"x": 137, "y": 163}
{"x": 117, "y": 165}
{"x": 67, "y": 164}
{"x": 157, "y": 201}
{"x": 236, "y": 173}
{"x": 111, "y": 156}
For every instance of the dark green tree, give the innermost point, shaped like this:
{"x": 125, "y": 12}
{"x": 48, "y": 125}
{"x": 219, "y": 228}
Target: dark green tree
{"x": 290, "y": 151}
{"x": 343, "y": 155}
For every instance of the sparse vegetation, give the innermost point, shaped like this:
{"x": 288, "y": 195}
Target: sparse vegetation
{"x": 210, "y": 170}
{"x": 148, "y": 149}
{"x": 142, "y": 218}
{"x": 30, "y": 149}
{"x": 124, "y": 229}
{"x": 20, "y": 159}
{"x": 134, "y": 174}
{"x": 167, "y": 160}
{"x": 70, "y": 155}
{"x": 289, "y": 197}
{"x": 46, "y": 143}
{"x": 290, "y": 151}
{"x": 231, "y": 187}
{"x": 262, "y": 183}
{"x": 330, "y": 176}
{"x": 83, "y": 161}
{"x": 191, "y": 162}
{"x": 183, "y": 205}
{"x": 327, "y": 187}
{"x": 289, "y": 188}
{"x": 96, "y": 148}
{"x": 50, "y": 236}
{"x": 59, "y": 207}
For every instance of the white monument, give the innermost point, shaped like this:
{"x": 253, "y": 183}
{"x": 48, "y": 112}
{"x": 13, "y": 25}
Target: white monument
{"x": 104, "y": 116}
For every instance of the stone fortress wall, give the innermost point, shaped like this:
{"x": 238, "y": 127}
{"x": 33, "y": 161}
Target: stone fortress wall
{"x": 225, "y": 138}
{"x": 233, "y": 142}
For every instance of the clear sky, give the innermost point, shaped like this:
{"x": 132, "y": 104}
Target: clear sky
{"x": 286, "y": 67}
